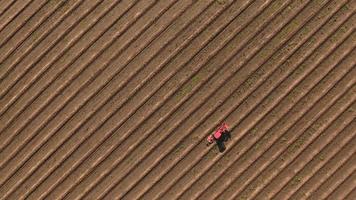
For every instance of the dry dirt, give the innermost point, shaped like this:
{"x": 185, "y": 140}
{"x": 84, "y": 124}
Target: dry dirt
{"x": 113, "y": 99}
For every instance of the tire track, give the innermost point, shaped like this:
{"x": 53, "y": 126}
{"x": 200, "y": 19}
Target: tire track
{"x": 33, "y": 40}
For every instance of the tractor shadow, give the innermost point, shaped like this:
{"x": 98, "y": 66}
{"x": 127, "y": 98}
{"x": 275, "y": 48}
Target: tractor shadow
{"x": 221, "y": 142}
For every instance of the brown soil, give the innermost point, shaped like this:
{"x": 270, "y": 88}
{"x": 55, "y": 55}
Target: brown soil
{"x": 114, "y": 99}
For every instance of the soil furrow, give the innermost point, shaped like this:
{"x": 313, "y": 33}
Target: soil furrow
{"x": 328, "y": 145}
{"x": 219, "y": 185}
{"x": 13, "y": 11}
{"x": 25, "y": 81}
{"x": 158, "y": 170}
{"x": 253, "y": 133}
{"x": 52, "y": 141}
{"x": 345, "y": 187}
{"x": 46, "y": 74}
{"x": 336, "y": 173}
{"x": 312, "y": 183}
{"x": 16, "y": 39}
{"x": 296, "y": 177}
{"x": 156, "y": 135}
{"x": 39, "y": 55}
{"x": 5, "y": 5}
{"x": 185, "y": 168}
{"x": 352, "y": 195}
{"x": 23, "y": 18}
{"x": 50, "y": 50}
{"x": 83, "y": 131}
{"x": 97, "y": 138}
{"x": 36, "y": 37}
{"x": 48, "y": 108}
{"x": 291, "y": 151}
{"x": 73, "y": 52}
{"x": 114, "y": 99}
{"x": 231, "y": 173}
{"x": 61, "y": 139}
{"x": 123, "y": 126}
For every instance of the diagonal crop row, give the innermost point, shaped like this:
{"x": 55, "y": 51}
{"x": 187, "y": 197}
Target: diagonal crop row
{"x": 76, "y": 152}
{"x": 293, "y": 149}
{"x": 330, "y": 149}
{"x": 347, "y": 186}
{"x": 26, "y": 15}
{"x": 91, "y": 119}
{"x": 38, "y": 35}
{"x": 5, "y": 5}
{"x": 252, "y": 118}
{"x": 303, "y": 160}
{"x": 16, "y": 39}
{"x": 42, "y": 75}
{"x": 266, "y": 137}
{"x": 338, "y": 169}
{"x": 49, "y": 108}
{"x": 51, "y": 49}
{"x": 187, "y": 104}
{"x": 13, "y": 11}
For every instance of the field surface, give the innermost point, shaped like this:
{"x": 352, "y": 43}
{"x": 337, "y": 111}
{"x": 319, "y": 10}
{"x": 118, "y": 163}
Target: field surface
{"x": 114, "y": 99}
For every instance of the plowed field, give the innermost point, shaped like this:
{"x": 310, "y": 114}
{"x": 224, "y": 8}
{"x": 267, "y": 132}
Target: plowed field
{"x": 114, "y": 99}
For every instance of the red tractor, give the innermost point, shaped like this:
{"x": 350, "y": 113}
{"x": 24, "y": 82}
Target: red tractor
{"x": 221, "y": 135}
